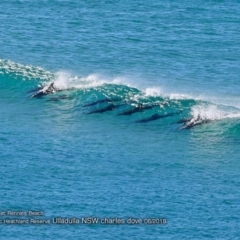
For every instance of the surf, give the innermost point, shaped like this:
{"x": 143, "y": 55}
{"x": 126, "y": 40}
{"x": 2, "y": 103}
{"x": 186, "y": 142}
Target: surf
{"x": 94, "y": 94}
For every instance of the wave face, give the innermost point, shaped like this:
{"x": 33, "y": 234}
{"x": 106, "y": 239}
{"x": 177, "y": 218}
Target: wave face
{"x": 95, "y": 92}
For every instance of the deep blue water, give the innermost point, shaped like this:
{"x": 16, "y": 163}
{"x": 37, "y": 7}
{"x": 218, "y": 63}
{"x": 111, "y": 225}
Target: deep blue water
{"x": 180, "y": 57}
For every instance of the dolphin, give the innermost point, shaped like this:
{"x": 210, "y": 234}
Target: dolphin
{"x": 155, "y": 117}
{"x": 139, "y": 108}
{"x": 102, "y": 110}
{"x": 190, "y": 123}
{"x": 105, "y": 100}
{"x": 45, "y": 91}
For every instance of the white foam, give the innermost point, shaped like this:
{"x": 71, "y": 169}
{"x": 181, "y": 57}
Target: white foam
{"x": 233, "y": 115}
{"x": 207, "y": 112}
{"x": 180, "y": 96}
{"x": 27, "y": 72}
{"x": 213, "y": 112}
{"x": 64, "y": 80}
{"x": 157, "y": 91}
{"x": 153, "y": 91}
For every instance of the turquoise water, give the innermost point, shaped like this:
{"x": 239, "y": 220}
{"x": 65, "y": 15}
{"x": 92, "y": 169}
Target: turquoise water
{"x": 181, "y": 57}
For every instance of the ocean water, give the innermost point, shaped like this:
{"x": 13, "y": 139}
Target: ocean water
{"x": 181, "y": 58}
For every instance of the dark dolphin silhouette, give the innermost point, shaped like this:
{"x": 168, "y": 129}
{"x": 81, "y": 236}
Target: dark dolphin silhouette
{"x": 102, "y": 110}
{"x": 139, "y": 108}
{"x": 155, "y": 117}
{"x": 105, "y": 100}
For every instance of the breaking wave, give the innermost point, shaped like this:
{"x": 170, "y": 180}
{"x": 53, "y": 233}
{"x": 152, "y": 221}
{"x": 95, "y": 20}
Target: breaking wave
{"x": 94, "y": 88}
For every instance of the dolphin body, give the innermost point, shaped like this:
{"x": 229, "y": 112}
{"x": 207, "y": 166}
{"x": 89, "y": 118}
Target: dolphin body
{"x": 105, "y": 100}
{"x": 192, "y": 122}
{"x": 139, "y": 108}
{"x": 102, "y": 110}
{"x": 155, "y": 117}
{"x": 44, "y": 91}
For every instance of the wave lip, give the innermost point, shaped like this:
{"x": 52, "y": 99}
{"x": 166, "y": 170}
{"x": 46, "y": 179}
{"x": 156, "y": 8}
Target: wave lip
{"x": 25, "y": 72}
